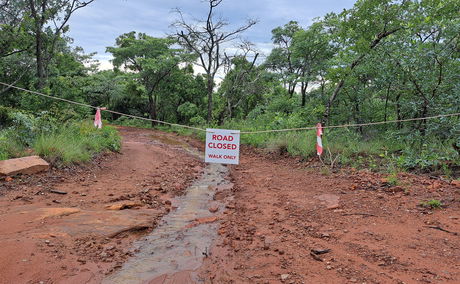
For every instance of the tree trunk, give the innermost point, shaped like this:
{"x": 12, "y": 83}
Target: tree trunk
{"x": 422, "y": 123}
{"x": 40, "y": 60}
{"x": 398, "y": 111}
{"x": 210, "y": 88}
{"x": 39, "y": 52}
{"x": 386, "y": 102}
{"x": 291, "y": 89}
{"x": 303, "y": 90}
{"x": 357, "y": 116}
{"x": 153, "y": 108}
{"x": 327, "y": 112}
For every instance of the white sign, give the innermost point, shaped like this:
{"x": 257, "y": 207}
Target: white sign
{"x": 222, "y": 146}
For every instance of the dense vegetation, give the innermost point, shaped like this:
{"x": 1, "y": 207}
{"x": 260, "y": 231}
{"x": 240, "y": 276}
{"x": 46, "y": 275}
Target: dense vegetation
{"x": 60, "y": 140}
{"x": 381, "y": 60}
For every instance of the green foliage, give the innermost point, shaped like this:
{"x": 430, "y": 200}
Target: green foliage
{"x": 9, "y": 147}
{"x": 378, "y": 61}
{"x": 76, "y": 143}
{"x": 126, "y": 121}
{"x": 58, "y": 141}
{"x": 393, "y": 179}
{"x": 432, "y": 204}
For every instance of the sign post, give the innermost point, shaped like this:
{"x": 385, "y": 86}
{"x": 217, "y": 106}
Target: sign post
{"x": 222, "y": 146}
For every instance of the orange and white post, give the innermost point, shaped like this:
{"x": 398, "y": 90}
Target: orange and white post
{"x": 319, "y": 142}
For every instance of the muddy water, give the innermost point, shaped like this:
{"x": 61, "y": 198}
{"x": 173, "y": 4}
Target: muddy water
{"x": 176, "y": 248}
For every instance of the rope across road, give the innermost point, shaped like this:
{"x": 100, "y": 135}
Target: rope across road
{"x": 242, "y": 132}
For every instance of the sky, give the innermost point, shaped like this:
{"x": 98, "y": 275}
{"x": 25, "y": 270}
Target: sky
{"x": 96, "y": 26}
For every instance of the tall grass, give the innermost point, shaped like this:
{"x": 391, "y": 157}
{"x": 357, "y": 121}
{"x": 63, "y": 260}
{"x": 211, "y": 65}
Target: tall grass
{"x": 379, "y": 150}
{"x": 76, "y": 143}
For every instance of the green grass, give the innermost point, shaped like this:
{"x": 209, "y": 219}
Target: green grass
{"x": 433, "y": 204}
{"x": 393, "y": 179}
{"x": 388, "y": 150}
{"x": 76, "y": 143}
{"x": 10, "y": 148}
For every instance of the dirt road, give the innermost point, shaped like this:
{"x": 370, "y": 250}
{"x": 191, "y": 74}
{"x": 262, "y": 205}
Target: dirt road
{"x": 83, "y": 235}
{"x": 289, "y": 223}
{"x": 285, "y": 221}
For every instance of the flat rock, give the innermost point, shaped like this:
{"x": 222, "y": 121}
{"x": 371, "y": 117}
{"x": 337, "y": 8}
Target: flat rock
{"x": 56, "y": 212}
{"x": 123, "y": 205}
{"x": 26, "y": 165}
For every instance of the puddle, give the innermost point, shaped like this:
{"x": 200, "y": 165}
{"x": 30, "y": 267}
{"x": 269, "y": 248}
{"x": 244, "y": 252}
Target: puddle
{"x": 176, "y": 248}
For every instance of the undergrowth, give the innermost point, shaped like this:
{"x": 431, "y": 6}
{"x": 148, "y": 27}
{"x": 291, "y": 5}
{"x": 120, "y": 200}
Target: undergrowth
{"x": 78, "y": 142}
{"x": 382, "y": 150}
{"x": 59, "y": 142}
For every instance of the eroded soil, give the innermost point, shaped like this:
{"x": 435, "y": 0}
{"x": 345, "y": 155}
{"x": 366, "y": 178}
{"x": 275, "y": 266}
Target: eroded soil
{"x": 288, "y": 221}
{"x": 83, "y": 235}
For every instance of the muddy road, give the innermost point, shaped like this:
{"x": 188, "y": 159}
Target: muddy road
{"x": 156, "y": 214}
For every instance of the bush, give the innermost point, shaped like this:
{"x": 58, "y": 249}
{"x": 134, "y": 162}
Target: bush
{"x": 133, "y": 122}
{"x": 76, "y": 143}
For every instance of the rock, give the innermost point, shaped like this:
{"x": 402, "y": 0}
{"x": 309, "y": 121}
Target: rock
{"x": 395, "y": 189}
{"x": 333, "y": 206}
{"x": 214, "y": 209}
{"x": 325, "y": 235}
{"x": 320, "y": 250}
{"x": 199, "y": 221}
{"x": 27, "y": 165}
{"x": 456, "y": 183}
{"x": 268, "y": 241}
{"x": 123, "y": 205}
{"x": 56, "y": 212}
{"x": 285, "y": 277}
{"x": 8, "y": 179}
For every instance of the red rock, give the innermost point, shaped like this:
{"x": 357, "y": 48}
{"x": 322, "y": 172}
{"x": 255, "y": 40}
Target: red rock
{"x": 333, "y": 206}
{"x": 123, "y": 205}
{"x": 456, "y": 183}
{"x": 8, "y": 179}
{"x": 26, "y": 165}
{"x": 214, "y": 209}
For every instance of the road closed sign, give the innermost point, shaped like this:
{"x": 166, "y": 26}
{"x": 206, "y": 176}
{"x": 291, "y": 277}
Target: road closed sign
{"x": 222, "y": 146}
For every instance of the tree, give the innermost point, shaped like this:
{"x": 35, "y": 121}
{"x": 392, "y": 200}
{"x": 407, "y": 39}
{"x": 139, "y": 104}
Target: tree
{"x": 14, "y": 38}
{"x": 310, "y": 51}
{"x": 208, "y": 39}
{"x": 153, "y": 59}
{"x": 359, "y": 31}
{"x": 281, "y": 59}
{"x": 50, "y": 19}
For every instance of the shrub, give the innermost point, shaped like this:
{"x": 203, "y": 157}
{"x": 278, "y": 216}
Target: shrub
{"x": 126, "y": 121}
{"x": 433, "y": 204}
{"x": 76, "y": 143}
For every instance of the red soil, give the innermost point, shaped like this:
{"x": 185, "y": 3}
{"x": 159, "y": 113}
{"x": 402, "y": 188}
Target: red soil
{"x": 288, "y": 222}
{"x": 284, "y": 211}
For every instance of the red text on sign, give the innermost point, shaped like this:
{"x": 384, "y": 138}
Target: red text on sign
{"x": 224, "y": 146}
{"x": 222, "y": 137}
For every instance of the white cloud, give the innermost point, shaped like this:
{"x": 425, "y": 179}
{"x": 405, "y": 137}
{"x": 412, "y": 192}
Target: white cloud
{"x": 96, "y": 26}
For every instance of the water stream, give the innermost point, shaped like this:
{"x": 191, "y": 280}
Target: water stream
{"x": 176, "y": 248}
